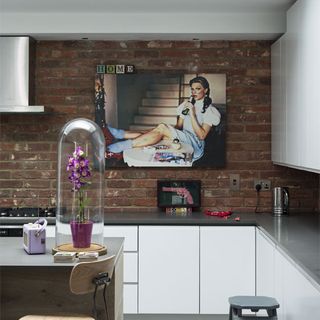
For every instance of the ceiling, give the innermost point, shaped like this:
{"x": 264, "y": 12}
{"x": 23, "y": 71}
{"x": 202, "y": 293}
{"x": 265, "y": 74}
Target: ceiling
{"x": 145, "y": 19}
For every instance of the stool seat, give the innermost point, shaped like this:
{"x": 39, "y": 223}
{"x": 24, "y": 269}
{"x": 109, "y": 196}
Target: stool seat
{"x": 254, "y": 303}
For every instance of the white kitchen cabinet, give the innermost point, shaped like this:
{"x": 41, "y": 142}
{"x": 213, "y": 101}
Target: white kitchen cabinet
{"x": 130, "y": 298}
{"x": 279, "y": 283}
{"x": 169, "y": 269}
{"x": 310, "y": 26}
{"x": 295, "y": 106}
{"x": 50, "y": 231}
{"x": 227, "y": 266}
{"x": 265, "y": 264}
{"x": 300, "y": 299}
{"x": 130, "y": 264}
{"x": 280, "y": 277}
{"x": 295, "y": 89}
{"x": 129, "y": 233}
{"x": 130, "y": 260}
{"x": 278, "y": 101}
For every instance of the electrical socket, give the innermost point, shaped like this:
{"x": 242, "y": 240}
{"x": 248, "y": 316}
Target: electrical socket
{"x": 234, "y": 182}
{"x": 264, "y": 183}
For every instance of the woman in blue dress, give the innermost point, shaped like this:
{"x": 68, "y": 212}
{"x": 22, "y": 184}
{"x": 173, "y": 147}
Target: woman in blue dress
{"x": 195, "y": 118}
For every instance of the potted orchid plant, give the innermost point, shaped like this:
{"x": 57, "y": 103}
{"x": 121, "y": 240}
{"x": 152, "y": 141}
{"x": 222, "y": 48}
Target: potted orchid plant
{"x": 79, "y": 174}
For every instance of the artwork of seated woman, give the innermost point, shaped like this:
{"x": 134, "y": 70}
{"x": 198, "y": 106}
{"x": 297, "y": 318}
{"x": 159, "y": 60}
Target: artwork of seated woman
{"x": 195, "y": 118}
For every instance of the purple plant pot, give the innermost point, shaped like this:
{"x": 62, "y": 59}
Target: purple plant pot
{"x": 81, "y": 234}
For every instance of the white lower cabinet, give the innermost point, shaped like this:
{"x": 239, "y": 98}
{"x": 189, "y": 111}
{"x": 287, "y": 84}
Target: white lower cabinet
{"x": 301, "y": 300}
{"x": 227, "y": 266}
{"x": 129, "y": 233}
{"x": 265, "y": 255}
{"x": 280, "y": 277}
{"x": 192, "y": 270}
{"x": 130, "y": 272}
{"x": 50, "y": 231}
{"x": 130, "y": 298}
{"x": 169, "y": 269}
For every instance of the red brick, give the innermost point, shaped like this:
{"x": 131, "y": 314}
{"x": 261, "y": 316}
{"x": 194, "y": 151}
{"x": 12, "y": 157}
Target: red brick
{"x": 36, "y": 184}
{"x": 258, "y": 72}
{"x": 11, "y": 184}
{"x": 65, "y": 82}
{"x": 4, "y": 174}
{"x": 146, "y": 54}
{"x": 215, "y": 44}
{"x": 160, "y": 44}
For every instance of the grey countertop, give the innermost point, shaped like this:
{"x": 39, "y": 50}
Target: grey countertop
{"x": 298, "y": 235}
{"x": 13, "y": 254}
{"x": 161, "y": 218}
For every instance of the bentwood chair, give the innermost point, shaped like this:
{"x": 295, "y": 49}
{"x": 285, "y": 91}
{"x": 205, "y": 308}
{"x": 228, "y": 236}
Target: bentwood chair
{"x": 85, "y": 277}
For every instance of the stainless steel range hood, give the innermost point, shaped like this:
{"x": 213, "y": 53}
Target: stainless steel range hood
{"x": 17, "y": 75}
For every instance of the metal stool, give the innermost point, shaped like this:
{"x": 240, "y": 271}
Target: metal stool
{"x": 254, "y": 303}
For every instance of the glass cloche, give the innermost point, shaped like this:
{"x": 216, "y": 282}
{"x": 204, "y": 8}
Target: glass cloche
{"x": 80, "y": 187}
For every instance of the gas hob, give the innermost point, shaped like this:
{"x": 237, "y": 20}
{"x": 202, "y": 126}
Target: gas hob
{"x": 19, "y": 216}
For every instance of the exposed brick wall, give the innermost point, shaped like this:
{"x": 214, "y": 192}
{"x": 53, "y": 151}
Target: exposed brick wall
{"x": 65, "y": 81}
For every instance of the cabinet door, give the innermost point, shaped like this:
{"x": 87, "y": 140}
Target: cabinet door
{"x": 301, "y": 300}
{"x": 130, "y": 277}
{"x": 310, "y": 155}
{"x": 130, "y": 298}
{"x": 50, "y": 231}
{"x": 278, "y": 283}
{"x": 129, "y": 233}
{"x": 169, "y": 269}
{"x": 294, "y": 74}
{"x": 265, "y": 266}
{"x": 227, "y": 266}
{"x": 130, "y": 267}
{"x": 278, "y": 101}
{"x": 276, "y": 104}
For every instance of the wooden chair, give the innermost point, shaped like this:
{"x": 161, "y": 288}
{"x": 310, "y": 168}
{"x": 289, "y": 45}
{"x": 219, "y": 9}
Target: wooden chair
{"x": 85, "y": 277}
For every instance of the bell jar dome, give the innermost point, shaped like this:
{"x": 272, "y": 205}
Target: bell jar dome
{"x": 80, "y": 187}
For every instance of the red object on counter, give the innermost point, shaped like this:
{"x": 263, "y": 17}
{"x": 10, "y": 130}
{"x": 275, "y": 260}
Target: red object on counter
{"x": 220, "y": 214}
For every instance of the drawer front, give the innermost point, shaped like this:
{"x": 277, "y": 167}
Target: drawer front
{"x": 130, "y": 233}
{"x": 130, "y": 298}
{"x": 50, "y": 231}
{"x": 130, "y": 267}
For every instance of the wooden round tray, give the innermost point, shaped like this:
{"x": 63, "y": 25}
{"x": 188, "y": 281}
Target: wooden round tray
{"x": 102, "y": 250}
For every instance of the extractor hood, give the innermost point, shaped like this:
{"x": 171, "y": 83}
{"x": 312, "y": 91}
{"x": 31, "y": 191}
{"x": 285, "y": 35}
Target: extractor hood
{"x": 17, "y": 75}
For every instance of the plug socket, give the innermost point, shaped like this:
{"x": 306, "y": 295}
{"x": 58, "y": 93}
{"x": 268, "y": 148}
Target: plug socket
{"x": 264, "y": 183}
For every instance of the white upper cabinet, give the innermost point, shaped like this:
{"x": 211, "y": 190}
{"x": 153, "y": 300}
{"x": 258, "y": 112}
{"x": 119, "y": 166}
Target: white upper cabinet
{"x": 310, "y": 26}
{"x": 276, "y": 106}
{"x": 278, "y": 101}
{"x": 295, "y": 89}
{"x": 295, "y": 106}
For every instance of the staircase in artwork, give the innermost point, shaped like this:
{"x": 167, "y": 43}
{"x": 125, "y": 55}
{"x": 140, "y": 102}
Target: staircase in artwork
{"x": 159, "y": 104}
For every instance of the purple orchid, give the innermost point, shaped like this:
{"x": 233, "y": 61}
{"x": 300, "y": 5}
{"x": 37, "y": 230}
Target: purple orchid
{"x": 79, "y": 170}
